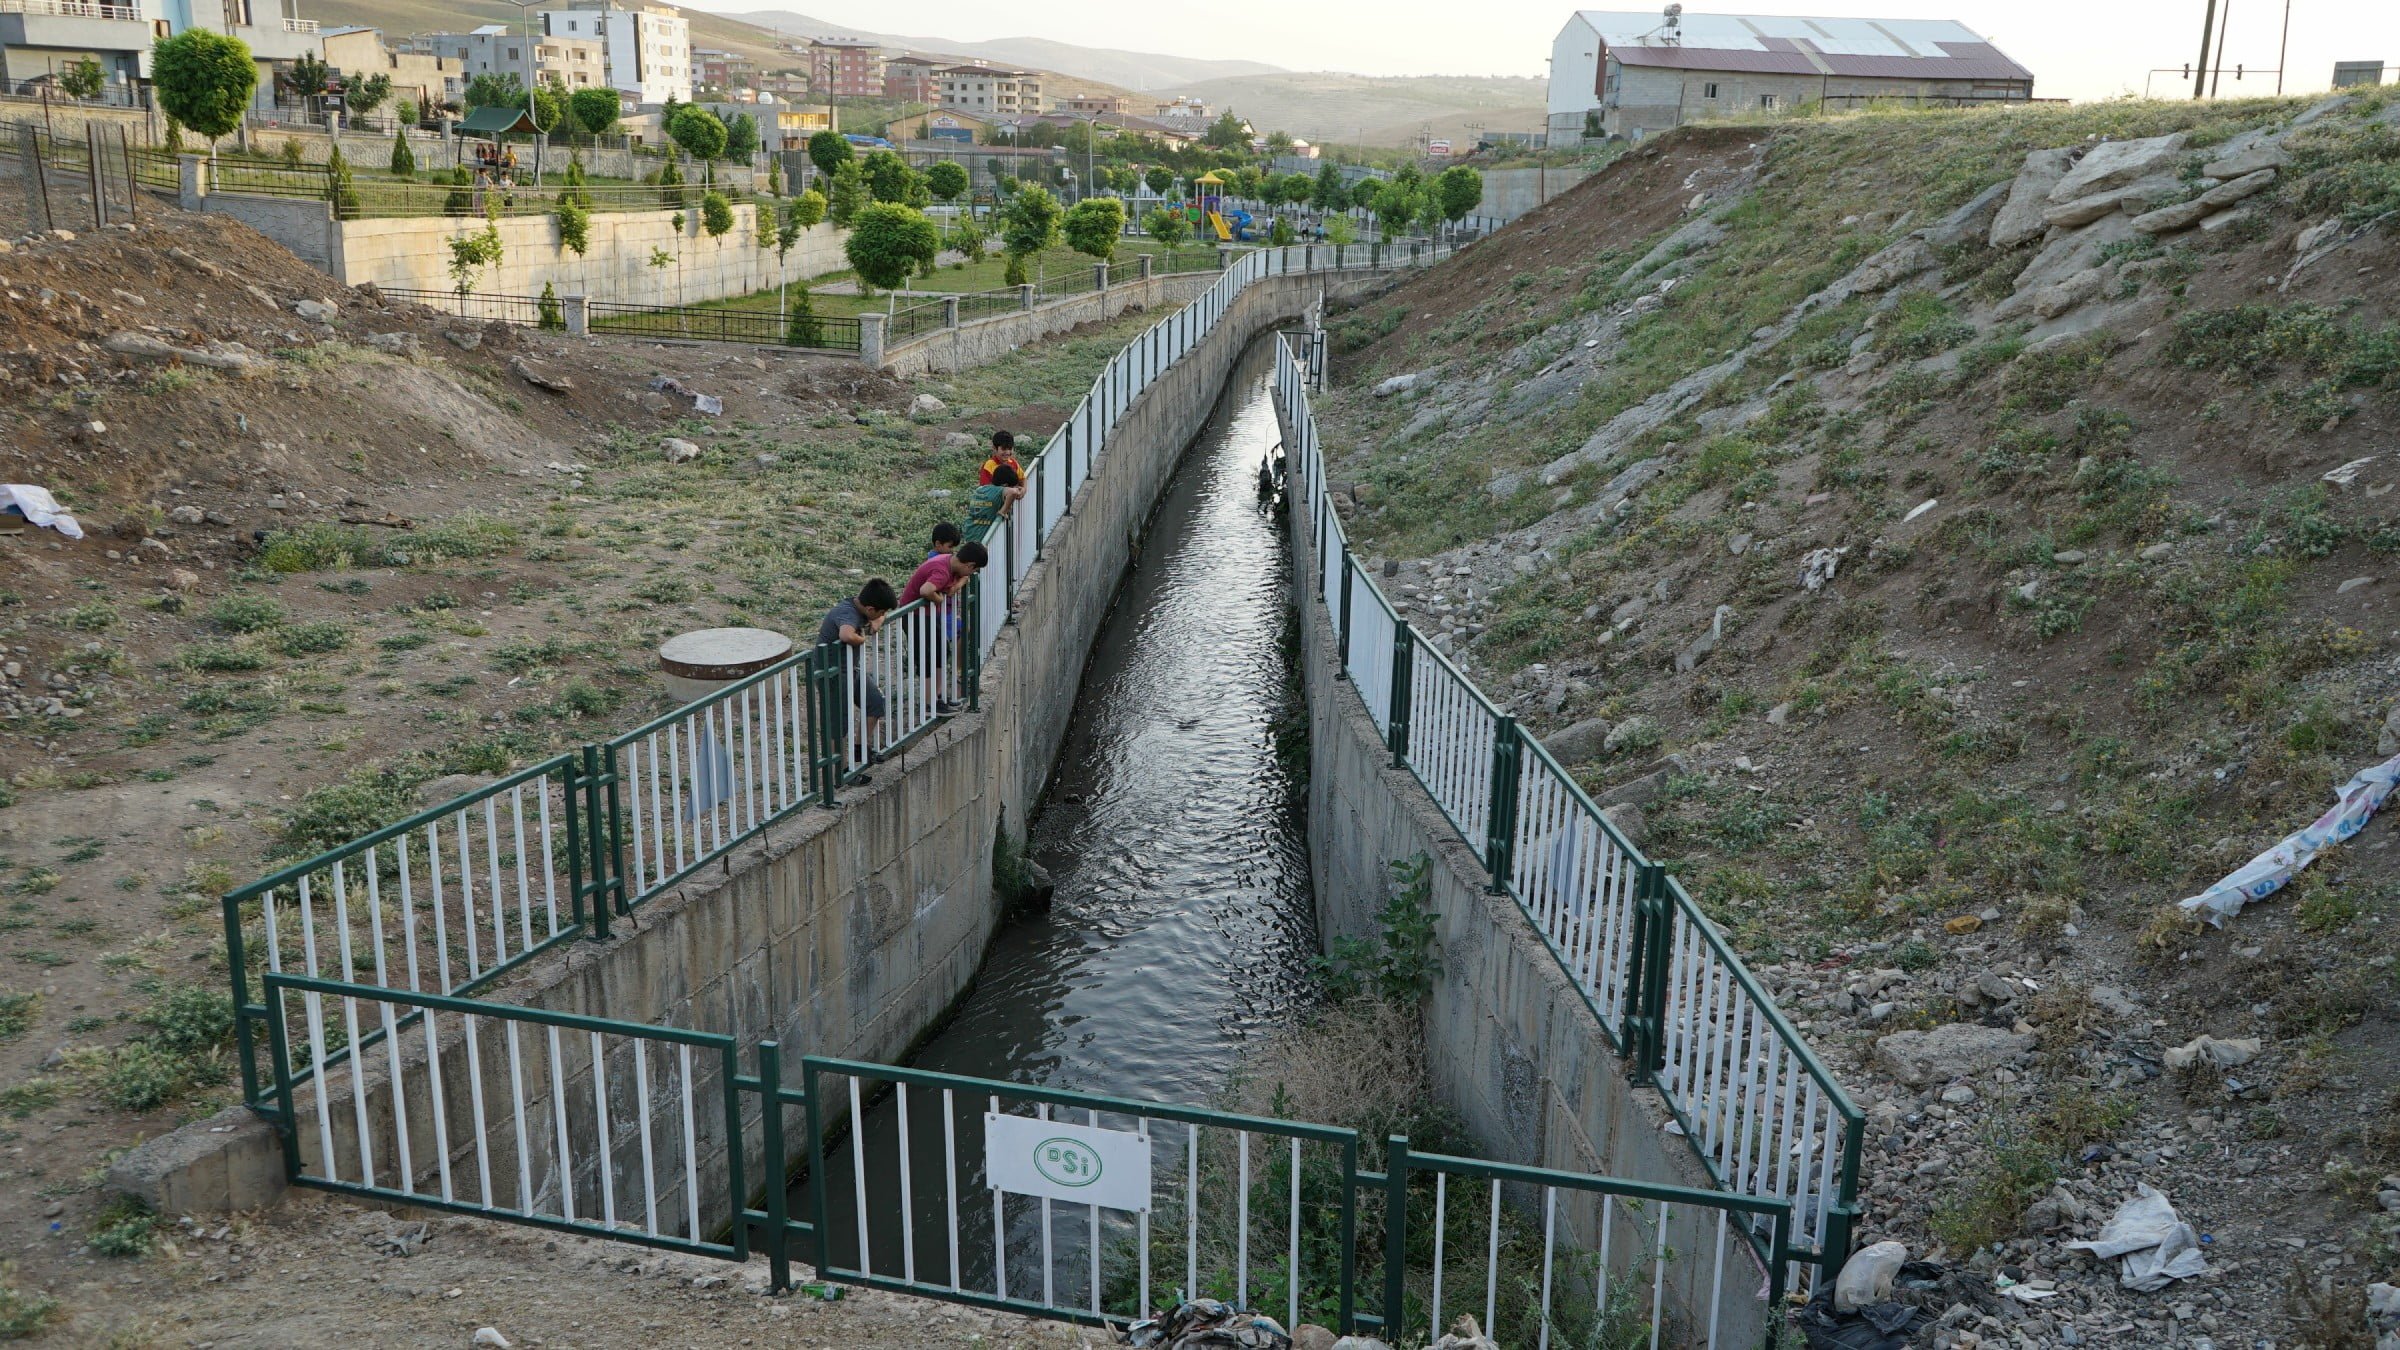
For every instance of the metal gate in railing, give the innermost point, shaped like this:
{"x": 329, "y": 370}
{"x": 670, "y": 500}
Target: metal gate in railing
{"x": 1061, "y": 1205}
{"x": 1664, "y": 988}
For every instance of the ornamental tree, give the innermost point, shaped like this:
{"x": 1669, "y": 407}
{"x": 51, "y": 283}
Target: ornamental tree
{"x": 888, "y": 241}
{"x": 203, "y": 80}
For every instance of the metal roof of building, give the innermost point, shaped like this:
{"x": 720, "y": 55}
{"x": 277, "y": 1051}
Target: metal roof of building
{"x": 1788, "y": 44}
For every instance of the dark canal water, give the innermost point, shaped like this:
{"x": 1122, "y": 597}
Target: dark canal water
{"x": 1182, "y": 924}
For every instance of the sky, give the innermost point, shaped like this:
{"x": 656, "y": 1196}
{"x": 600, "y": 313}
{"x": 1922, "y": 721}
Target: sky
{"x": 2078, "y": 49}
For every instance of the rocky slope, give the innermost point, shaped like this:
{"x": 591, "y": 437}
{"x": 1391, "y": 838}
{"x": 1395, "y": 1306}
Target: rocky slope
{"x": 1984, "y": 515}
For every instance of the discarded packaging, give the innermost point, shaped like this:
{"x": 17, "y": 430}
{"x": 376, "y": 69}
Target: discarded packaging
{"x": 1819, "y": 566}
{"x": 1208, "y": 1324}
{"x": 35, "y": 504}
{"x": 2262, "y": 876}
{"x": 2158, "y": 1247}
{"x": 1867, "y": 1276}
{"x": 2224, "y": 1054}
{"x": 707, "y": 404}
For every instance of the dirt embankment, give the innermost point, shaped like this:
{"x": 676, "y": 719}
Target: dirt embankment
{"x": 339, "y": 550}
{"x": 1986, "y": 516}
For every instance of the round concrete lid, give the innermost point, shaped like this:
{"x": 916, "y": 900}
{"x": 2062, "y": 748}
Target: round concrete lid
{"x": 722, "y": 653}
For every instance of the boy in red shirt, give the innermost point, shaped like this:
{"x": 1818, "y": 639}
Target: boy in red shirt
{"x": 1004, "y": 451}
{"x": 938, "y": 581}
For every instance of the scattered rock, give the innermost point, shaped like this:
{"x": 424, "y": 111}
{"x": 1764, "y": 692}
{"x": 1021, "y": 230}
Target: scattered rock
{"x": 2239, "y": 189}
{"x": 1629, "y": 820}
{"x": 1636, "y": 732}
{"x": 2169, "y": 219}
{"x": 1779, "y": 714}
{"x": 2113, "y": 164}
{"x": 187, "y": 515}
{"x": 491, "y": 1337}
{"x": 2240, "y": 163}
{"x": 926, "y": 406}
{"x": 397, "y": 344}
{"x": 1310, "y": 1336}
{"x": 1908, "y": 258}
{"x": 465, "y": 339}
{"x": 316, "y": 311}
{"x": 230, "y": 357}
{"x": 539, "y": 377}
{"x": 678, "y": 450}
{"x": 1398, "y": 384}
{"x": 1464, "y": 1334}
{"x": 2353, "y": 584}
{"x": 1952, "y": 1050}
{"x": 2020, "y": 217}
{"x": 1586, "y": 740}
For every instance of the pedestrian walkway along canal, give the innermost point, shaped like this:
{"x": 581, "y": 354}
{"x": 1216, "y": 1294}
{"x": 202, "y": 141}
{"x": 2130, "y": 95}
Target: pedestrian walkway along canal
{"x": 1182, "y": 925}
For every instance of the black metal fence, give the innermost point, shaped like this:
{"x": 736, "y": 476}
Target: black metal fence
{"x": 917, "y": 320}
{"x": 816, "y": 332}
{"x": 531, "y": 311}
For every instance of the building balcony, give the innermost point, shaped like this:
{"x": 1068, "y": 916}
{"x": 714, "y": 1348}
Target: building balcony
{"x": 87, "y": 25}
{"x": 281, "y": 39}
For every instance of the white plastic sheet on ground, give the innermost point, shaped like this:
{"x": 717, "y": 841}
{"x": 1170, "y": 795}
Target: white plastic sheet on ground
{"x": 2267, "y": 873}
{"x": 2159, "y": 1248}
{"x": 37, "y": 505}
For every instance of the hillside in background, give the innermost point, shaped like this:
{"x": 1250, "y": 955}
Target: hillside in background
{"x": 1103, "y": 65}
{"x": 399, "y": 18}
{"x": 1947, "y": 541}
{"x": 1337, "y": 108}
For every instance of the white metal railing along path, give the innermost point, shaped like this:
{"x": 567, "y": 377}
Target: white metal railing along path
{"x": 714, "y": 770}
{"x": 1754, "y": 1102}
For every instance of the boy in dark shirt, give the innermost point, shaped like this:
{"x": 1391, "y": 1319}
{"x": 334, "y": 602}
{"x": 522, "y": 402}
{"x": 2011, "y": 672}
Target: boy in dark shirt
{"x": 849, "y": 625}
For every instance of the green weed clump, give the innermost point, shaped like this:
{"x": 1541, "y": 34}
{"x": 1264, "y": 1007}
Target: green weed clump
{"x": 24, "y": 1315}
{"x": 323, "y": 548}
{"x": 123, "y": 1229}
{"x": 245, "y": 613}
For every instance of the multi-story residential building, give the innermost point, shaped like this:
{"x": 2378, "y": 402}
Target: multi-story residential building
{"x": 423, "y": 78}
{"x": 1187, "y": 114}
{"x": 1001, "y": 95}
{"x": 912, "y": 78}
{"x": 841, "y": 68}
{"x": 1094, "y": 105}
{"x": 499, "y": 49}
{"x": 722, "y": 70}
{"x": 42, "y": 37}
{"x": 791, "y": 86}
{"x": 648, "y": 47}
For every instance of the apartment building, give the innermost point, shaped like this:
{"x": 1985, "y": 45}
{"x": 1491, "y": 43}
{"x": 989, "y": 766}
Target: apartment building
{"x": 913, "y": 79}
{"x": 839, "y": 68}
{"x": 503, "y": 49}
{"x": 1004, "y": 95}
{"x": 724, "y": 70}
{"x": 1091, "y": 105}
{"x": 648, "y": 48}
{"x": 40, "y": 38}
{"x": 423, "y": 78}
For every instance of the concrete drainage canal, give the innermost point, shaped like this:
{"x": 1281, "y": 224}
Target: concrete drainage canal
{"x": 1181, "y": 928}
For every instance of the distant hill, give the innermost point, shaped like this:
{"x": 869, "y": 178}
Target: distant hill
{"x": 399, "y": 18}
{"x": 1104, "y": 65}
{"x": 1335, "y": 108}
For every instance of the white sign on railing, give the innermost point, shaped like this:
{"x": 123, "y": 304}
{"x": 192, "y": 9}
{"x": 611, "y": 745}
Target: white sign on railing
{"x": 1080, "y": 1164}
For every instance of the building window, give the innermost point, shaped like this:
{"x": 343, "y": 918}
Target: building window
{"x": 1766, "y": 100}
{"x": 1708, "y": 90}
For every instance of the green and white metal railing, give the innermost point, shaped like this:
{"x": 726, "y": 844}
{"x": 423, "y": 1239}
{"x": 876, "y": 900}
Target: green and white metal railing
{"x": 1753, "y": 1100}
{"x": 989, "y": 1193}
{"x": 448, "y": 900}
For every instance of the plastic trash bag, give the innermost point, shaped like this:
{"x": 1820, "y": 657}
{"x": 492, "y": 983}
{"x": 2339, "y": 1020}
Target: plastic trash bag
{"x": 2266, "y": 874}
{"x": 38, "y": 506}
{"x": 2158, "y": 1247}
{"x": 1208, "y": 1324}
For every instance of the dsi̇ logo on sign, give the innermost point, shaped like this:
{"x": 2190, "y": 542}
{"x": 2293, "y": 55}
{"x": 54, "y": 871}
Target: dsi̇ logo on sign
{"x": 1067, "y": 1162}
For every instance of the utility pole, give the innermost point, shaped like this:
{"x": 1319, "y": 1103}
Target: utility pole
{"x": 2208, "y": 29}
{"x": 2216, "y": 79}
{"x": 2284, "y": 52}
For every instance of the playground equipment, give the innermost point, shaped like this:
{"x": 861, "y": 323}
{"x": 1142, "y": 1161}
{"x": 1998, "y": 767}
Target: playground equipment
{"x": 1208, "y": 209}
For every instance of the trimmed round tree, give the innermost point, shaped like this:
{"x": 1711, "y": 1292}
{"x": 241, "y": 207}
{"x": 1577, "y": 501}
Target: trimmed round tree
{"x": 203, "y": 80}
{"x": 700, "y": 132}
{"x": 829, "y": 151}
{"x": 1459, "y": 190}
{"x": 1094, "y": 225}
{"x": 594, "y": 110}
{"x": 888, "y": 241}
{"x": 946, "y": 180}
{"x": 1169, "y": 228}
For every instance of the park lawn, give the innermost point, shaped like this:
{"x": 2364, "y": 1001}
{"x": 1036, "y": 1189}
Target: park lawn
{"x": 1057, "y": 265}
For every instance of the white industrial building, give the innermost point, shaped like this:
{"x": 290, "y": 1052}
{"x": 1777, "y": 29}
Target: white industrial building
{"x": 1619, "y": 73}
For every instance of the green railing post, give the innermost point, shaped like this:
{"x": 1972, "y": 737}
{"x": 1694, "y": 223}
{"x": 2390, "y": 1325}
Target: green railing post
{"x": 1341, "y": 669}
{"x": 818, "y": 1184}
{"x": 1500, "y": 820}
{"x": 1041, "y": 495}
{"x": 1395, "y": 1238}
{"x": 595, "y": 826}
{"x": 1348, "y": 1320}
{"x": 280, "y": 1049}
{"x": 613, "y": 852}
{"x": 1066, "y": 505}
{"x": 770, "y": 1121}
{"x": 1655, "y": 914}
{"x": 245, "y": 1045}
{"x": 971, "y": 633}
{"x": 1403, "y": 658}
{"x": 824, "y": 679}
